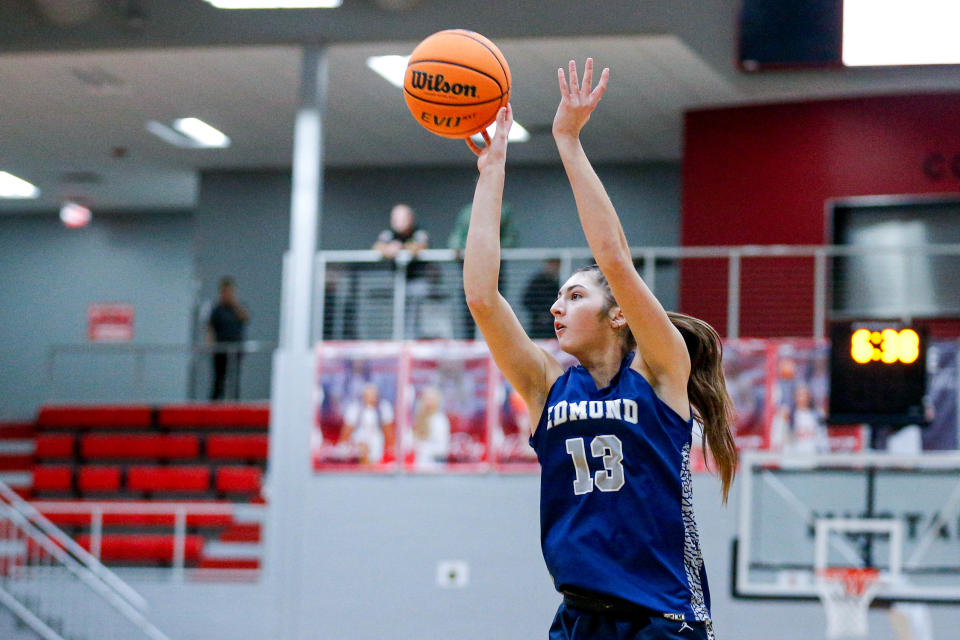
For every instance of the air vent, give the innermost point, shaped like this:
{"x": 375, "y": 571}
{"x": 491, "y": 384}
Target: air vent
{"x": 80, "y": 177}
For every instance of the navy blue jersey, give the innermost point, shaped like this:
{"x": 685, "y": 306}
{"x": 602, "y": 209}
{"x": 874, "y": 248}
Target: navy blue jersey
{"x": 616, "y": 502}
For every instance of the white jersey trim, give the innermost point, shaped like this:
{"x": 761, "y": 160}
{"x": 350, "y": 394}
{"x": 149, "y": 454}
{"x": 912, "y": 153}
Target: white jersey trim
{"x": 692, "y": 556}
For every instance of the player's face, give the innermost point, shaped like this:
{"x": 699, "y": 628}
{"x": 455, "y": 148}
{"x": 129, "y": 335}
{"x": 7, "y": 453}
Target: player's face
{"x": 578, "y": 317}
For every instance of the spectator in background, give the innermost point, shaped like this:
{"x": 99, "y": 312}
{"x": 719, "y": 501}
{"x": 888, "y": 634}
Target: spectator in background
{"x": 404, "y": 234}
{"x": 226, "y": 329}
{"x": 458, "y": 240}
{"x": 540, "y": 293}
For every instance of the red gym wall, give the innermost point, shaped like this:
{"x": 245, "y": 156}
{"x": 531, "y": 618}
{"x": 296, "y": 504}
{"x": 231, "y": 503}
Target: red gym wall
{"x": 762, "y": 175}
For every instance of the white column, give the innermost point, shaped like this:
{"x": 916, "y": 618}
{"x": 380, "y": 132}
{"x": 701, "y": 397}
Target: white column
{"x": 291, "y": 390}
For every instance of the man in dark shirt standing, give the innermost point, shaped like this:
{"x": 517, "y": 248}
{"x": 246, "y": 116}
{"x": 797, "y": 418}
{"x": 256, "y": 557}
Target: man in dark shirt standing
{"x": 405, "y": 234}
{"x": 226, "y": 329}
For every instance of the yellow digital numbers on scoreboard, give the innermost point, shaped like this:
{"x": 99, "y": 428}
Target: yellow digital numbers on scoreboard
{"x": 886, "y": 345}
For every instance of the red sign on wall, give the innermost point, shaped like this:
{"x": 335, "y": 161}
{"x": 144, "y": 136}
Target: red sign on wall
{"x": 110, "y": 322}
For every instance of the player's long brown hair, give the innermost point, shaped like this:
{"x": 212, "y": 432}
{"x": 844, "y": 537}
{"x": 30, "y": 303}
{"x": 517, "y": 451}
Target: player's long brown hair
{"x": 706, "y": 388}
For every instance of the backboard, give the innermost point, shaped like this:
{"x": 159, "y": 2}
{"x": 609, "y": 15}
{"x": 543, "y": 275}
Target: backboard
{"x": 784, "y": 500}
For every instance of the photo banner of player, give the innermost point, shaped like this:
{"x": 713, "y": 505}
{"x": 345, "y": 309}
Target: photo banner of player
{"x": 446, "y": 423}
{"x": 941, "y": 406}
{"x": 357, "y": 391}
{"x": 510, "y": 440}
{"x": 746, "y": 363}
{"x": 800, "y": 375}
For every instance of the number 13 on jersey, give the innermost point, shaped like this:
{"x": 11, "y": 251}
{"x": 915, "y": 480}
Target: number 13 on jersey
{"x": 611, "y": 477}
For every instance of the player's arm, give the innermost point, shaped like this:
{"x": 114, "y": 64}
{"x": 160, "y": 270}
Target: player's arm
{"x": 660, "y": 344}
{"x": 528, "y": 368}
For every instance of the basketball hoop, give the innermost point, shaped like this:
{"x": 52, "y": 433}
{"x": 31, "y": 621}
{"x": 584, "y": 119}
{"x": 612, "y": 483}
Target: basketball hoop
{"x": 846, "y": 593}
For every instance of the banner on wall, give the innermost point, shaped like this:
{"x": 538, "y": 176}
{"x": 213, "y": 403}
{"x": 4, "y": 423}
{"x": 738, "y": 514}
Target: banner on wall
{"x": 110, "y": 322}
{"x": 443, "y": 406}
{"x": 357, "y": 391}
{"x": 800, "y": 398}
{"x": 746, "y": 368}
{"x": 446, "y": 423}
{"x": 511, "y": 432}
{"x": 941, "y": 431}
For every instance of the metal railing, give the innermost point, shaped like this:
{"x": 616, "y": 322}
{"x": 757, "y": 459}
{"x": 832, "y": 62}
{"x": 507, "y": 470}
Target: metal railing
{"x": 58, "y": 589}
{"x": 360, "y": 295}
{"x": 132, "y": 372}
{"x": 180, "y": 513}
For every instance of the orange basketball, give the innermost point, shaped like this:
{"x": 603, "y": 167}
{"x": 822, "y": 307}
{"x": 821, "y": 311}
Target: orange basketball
{"x": 455, "y": 83}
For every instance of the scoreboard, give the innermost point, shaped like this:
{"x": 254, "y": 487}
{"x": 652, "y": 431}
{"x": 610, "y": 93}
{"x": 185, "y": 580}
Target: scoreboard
{"x": 877, "y": 373}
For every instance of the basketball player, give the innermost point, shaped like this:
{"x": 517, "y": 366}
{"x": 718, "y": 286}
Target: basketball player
{"x": 612, "y": 434}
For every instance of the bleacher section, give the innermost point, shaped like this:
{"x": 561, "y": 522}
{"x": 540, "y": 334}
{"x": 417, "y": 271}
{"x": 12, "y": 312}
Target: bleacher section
{"x": 80, "y": 456}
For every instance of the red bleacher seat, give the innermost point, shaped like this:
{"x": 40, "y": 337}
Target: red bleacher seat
{"x": 50, "y": 445}
{"x": 143, "y": 547}
{"x": 202, "y": 416}
{"x": 17, "y": 430}
{"x": 237, "y": 447}
{"x": 153, "y": 446}
{"x": 238, "y": 479}
{"x": 52, "y": 478}
{"x": 242, "y": 533}
{"x": 178, "y": 478}
{"x": 99, "y": 479}
{"x": 99, "y": 417}
{"x": 230, "y": 563}
{"x": 67, "y": 519}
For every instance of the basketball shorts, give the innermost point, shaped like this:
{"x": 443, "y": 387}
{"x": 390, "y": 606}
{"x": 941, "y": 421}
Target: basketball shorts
{"x": 571, "y": 623}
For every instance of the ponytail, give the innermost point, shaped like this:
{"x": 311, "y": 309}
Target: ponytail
{"x": 707, "y": 391}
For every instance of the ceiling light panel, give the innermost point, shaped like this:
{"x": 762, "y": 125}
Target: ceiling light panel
{"x": 202, "y": 133}
{"x": 13, "y": 187}
{"x": 391, "y": 68}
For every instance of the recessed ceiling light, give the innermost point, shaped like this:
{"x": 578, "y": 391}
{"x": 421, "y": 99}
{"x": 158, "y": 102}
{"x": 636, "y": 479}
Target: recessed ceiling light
{"x": 391, "y": 68}
{"x": 275, "y": 4}
{"x": 13, "y": 187}
{"x": 203, "y": 133}
{"x": 189, "y": 133}
{"x": 517, "y": 133}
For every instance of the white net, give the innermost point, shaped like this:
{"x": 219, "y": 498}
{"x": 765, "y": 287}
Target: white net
{"x": 846, "y": 594}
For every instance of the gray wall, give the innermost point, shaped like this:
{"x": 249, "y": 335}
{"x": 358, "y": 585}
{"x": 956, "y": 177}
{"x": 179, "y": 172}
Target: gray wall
{"x": 357, "y": 203}
{"x": 50, "y": 276}
{"x": 370, "y": 550}
{"x": 242, "y": 229}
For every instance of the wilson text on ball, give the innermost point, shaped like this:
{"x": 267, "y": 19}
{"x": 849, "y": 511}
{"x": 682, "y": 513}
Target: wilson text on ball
{"x": 431, "y": 82}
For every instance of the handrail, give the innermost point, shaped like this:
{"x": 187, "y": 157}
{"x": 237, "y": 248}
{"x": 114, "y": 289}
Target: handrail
{"x": 84, "y": 574}
{"x": 29, "y": 512}
{"x": 145, "y": 507}
{"x": 740, "y": 260}
{"x": 248, "y": 346}
{"x": 715, "y": 251}
{"x": 27, "y": 616}
{"x": 180, "y": 511}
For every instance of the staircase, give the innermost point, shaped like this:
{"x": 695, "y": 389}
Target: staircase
{"x": 55, "y": 589}
{"x": 11, "y": 628}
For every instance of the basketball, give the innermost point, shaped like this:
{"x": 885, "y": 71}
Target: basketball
{"x": 455, "y": 83}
